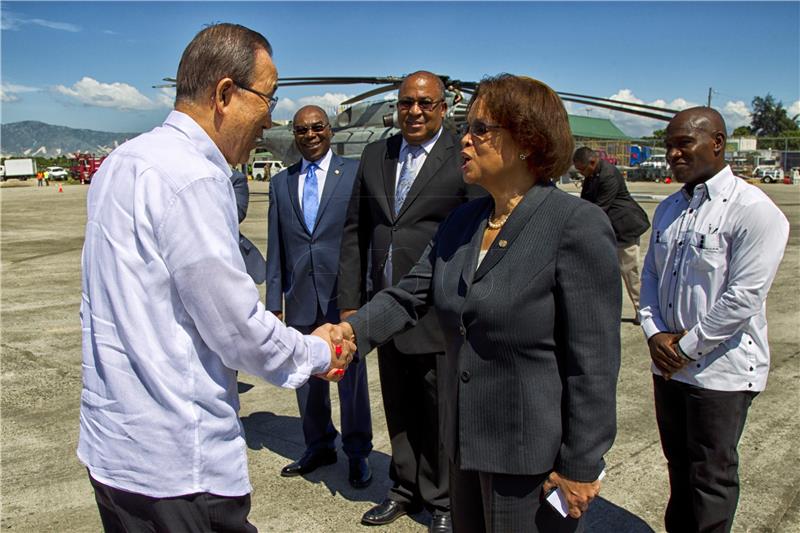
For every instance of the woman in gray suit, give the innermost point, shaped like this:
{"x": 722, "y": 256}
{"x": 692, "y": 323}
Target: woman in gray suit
{"x": 526, "y": 287}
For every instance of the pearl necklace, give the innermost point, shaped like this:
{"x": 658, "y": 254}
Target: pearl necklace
{"x": 499, "y": 224}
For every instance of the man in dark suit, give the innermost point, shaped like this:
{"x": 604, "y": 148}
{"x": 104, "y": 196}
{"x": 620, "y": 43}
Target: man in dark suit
{"x": 405, "y": 186}
{"x": 253, "y": 260}
{"x": 604, "y": 186}
{"x": 307, "y": 206}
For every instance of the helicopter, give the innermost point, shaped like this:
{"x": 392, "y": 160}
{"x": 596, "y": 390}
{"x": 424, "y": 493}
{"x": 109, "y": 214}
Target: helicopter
{"x": 361, "y": 121}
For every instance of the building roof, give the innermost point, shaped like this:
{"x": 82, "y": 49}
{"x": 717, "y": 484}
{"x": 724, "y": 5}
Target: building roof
{"x": 595, "y": 128}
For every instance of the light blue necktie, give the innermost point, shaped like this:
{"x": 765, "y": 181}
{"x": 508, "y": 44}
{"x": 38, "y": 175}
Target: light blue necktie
{"x": 310, "y": 198}
{"x": 407, "y": 175}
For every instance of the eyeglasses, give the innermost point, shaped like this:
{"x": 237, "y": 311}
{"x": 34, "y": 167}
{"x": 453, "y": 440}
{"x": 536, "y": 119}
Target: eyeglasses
{"x": 271, "y": 101}
{"x": 319, "y": 127}
{"x": 479, "y": 128}
{"x": 426, "y": 105}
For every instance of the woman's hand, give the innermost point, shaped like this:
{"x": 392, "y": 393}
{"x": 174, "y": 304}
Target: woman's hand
{"x": 578, "y": 494}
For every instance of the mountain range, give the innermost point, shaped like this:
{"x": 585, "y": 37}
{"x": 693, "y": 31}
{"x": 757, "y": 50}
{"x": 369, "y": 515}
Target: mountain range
{"x": 31, "y": 138}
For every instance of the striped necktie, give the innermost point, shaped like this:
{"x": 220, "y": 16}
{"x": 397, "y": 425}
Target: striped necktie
{"x": 310, "y": 198}
{"x": 407, "y": 175}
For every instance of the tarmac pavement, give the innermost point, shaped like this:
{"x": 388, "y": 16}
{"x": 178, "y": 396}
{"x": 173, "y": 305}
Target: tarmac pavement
{"x": 44, "y": 487}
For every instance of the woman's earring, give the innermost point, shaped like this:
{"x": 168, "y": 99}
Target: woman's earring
{"x": 522, "y": 156}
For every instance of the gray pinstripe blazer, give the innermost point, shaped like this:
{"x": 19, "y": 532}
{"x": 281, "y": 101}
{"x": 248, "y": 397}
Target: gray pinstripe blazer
{"x": 531, "y": 336}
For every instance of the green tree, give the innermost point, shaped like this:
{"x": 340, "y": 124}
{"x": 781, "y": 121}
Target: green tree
{"x": 770, "y": 118}
{"x": 742, "y": 131}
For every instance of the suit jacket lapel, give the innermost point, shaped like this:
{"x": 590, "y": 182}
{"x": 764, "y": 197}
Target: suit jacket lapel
{"x": 514, "y": 225}
{"x": 292, "y": 182}
{"x": 390, "y": 172}
{"x": 439, "y": 153}
{"x": 332, "y": 179}
{"x": 471, "y": 259}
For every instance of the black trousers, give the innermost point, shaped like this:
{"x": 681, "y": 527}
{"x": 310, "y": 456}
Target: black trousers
{"x": 484, "y": 502}
{"x": 128, "y": 512}
{"x": 700, "y": 430}
{"x": 314, "y": 403}
{"x": 410, "y": 400}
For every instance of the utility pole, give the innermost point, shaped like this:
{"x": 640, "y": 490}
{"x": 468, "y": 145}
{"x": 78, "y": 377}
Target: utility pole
{"x": 709, "y": 97}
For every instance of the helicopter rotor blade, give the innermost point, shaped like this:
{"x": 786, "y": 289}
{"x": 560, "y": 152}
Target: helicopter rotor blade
{"x": 373, "y": 92}
{"x": 627, "y": 110}
{"x": 620, "y": 102}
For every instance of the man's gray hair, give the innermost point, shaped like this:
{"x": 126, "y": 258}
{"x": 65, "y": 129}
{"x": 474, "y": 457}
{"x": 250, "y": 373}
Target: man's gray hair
{"x": 218, "y": 51}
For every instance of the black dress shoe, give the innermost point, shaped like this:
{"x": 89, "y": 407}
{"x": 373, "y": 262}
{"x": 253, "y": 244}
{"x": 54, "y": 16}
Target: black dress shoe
{"x": 386, "y": 512}
{"x": 309, "y": 462}
{"x": 360, "y": 473}
{"x": 441, "y": 523}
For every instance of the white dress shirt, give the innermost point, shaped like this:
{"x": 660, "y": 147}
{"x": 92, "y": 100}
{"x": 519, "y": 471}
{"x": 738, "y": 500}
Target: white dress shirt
{"x": 711, "y": 262}
{"x": 321, "y": 172}
{"x": 427, "y": 146}
{"x": 168, "y": 311}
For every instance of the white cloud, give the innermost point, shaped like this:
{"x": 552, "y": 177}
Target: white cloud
{"x": 116, "y": 95}
{"x": 166, "y": 96}
{"x": 794, "y": 109}
{"x": 735, "y": 114}
{"x": 9, "y": 91}
{"x": 10, "y": 20}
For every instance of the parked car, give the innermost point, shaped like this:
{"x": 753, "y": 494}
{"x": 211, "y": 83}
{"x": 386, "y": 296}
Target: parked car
{"x": 655, "y": 161}
{"x": 57, "y": 173}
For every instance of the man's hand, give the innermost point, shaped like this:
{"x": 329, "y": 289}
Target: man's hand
{"x": 577, "y": 493}
{"x": 344, "y": 313}
{"x": 347, "y": 331}
{"x": 278, "y": 314}
{"x": 664, "y": 352}
{"x": 342, "y": 350}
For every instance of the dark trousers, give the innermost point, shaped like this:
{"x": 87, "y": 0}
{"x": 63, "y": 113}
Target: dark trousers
{"x": 700, "y": 430}
{"x": 484, "y": 502}
{"x": 128, "y": 512}
{"x": 410, "y": 400}
{"x": 314, "y": 402}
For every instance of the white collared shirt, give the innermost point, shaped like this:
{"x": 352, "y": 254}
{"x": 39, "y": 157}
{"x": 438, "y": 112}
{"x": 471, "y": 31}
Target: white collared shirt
{"x": 427, "y": 146}
{"x": 711, "y": 261}
{"x": 167, "y": 312}
{"x": 323, "y": 164}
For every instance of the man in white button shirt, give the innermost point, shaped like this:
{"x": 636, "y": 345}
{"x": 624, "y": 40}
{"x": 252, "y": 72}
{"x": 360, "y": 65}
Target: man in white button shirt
{"x": 168, "y": 310}
{"x": 715, "y": 248}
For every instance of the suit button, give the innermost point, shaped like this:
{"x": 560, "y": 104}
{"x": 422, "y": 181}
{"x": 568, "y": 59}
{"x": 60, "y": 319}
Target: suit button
{"x": 465, "y": 375}
{"x": 462, "y": 330}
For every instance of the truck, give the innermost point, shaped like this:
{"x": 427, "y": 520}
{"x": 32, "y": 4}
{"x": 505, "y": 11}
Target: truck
{"x": 265, "y": 169}
{"x": 21, "y": 169}
{"x": 84, "y": 166}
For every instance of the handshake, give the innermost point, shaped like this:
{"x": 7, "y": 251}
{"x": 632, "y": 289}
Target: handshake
{"x": 341, "y": 340}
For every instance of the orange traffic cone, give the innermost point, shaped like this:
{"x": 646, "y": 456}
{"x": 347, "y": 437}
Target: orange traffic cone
{"x": 60, "y": 188}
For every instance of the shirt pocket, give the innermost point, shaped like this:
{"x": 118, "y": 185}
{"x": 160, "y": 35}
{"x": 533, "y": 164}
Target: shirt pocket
{"x": 707, "y": 252}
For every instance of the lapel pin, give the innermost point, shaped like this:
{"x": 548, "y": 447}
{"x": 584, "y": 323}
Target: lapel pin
{"x": 336, "y": 171}
{"x": 502, "y": 243}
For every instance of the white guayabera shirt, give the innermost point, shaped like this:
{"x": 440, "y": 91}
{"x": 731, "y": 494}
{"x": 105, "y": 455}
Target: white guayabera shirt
{"x": 168, "y": 311}
{"x": 711, "y": 261}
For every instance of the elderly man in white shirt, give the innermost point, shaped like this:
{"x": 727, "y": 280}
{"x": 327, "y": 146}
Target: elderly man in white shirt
{"x": 714, "y": 250}
{"x": 169, "y": 312}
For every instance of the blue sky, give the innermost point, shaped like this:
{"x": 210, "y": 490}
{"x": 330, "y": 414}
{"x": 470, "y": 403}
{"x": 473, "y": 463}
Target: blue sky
{"x": 91, "y": 64}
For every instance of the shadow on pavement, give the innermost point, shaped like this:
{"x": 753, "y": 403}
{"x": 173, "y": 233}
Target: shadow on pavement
{"x": 283, "y": 435}
{"x": 605, "y": 517}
